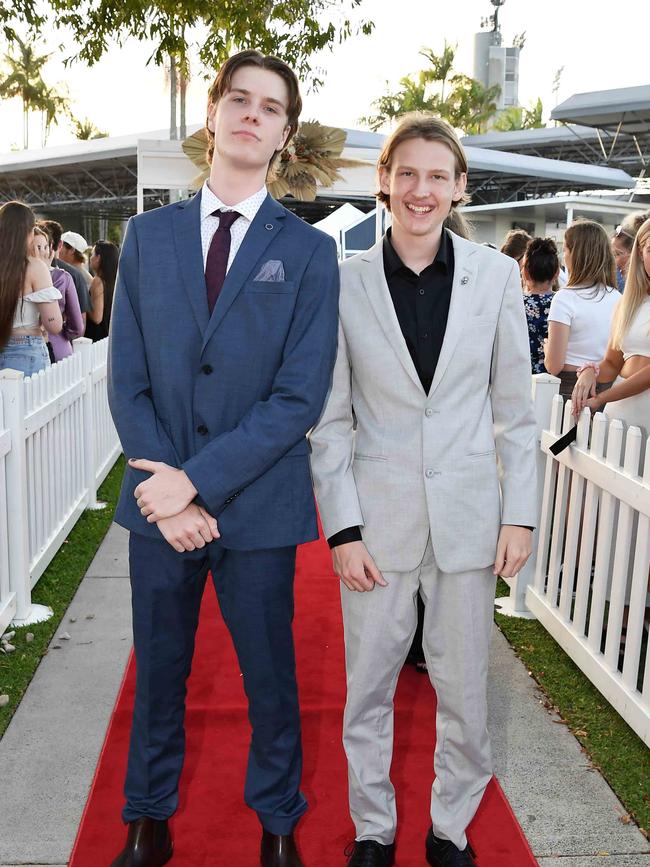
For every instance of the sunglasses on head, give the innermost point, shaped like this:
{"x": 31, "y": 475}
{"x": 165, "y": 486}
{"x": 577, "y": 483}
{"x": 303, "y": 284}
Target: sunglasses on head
{"x": 621, "y": 231}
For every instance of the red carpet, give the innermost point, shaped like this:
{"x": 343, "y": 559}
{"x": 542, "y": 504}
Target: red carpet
{"x": 212, "y": 826}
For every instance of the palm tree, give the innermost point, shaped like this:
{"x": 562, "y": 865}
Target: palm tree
{"x": 51, "y": 104}
{"x": 471, "y": 104}
{"x": 25, "y": 80}
{"x": 85, "y": 130}
{"x": 441, "y": 66}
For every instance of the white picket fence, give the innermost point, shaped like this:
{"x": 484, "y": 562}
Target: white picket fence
{"x": 593, "y": 556}
{"x": 57, "y": 444}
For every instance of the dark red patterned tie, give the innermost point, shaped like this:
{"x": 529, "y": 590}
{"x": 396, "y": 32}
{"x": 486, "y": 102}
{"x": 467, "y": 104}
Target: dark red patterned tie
{"x": 217, "y": 261}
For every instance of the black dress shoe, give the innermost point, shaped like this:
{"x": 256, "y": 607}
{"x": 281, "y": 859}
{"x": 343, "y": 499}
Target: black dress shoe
{"x": 148, "y": 844}
{"x": 279, "y": 851}
{"x": 443, "y": 853}
{"x": 370, "y": 853}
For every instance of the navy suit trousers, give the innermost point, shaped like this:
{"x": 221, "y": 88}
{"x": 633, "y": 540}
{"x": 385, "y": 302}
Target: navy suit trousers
{"x": 255, "y": 594}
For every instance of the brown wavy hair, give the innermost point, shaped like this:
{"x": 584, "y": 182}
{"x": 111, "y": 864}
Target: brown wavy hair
{"x": 16, "y": 222}
{"x": 592, "y": 260}
{"x": 223, "y": 81}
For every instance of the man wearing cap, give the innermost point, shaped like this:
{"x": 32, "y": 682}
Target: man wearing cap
{"x": 73, "y": 251}
{"x": 55, "y": 231}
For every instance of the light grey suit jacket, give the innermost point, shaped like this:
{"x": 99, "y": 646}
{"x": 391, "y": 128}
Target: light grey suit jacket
{"x": 457, "y": 462}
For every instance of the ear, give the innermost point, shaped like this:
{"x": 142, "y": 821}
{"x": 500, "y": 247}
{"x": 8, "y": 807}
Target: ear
{"x": 212, "y": 108}
{"x": 384, "y": 180}
{"x": 460, "y": 185}
{"x": 284, "y": 139}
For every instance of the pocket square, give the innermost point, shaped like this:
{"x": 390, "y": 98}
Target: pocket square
{"x": 271, "y": 272}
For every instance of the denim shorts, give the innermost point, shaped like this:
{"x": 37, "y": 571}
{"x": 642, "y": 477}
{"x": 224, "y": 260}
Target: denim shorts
{"x": 26, "y": 353}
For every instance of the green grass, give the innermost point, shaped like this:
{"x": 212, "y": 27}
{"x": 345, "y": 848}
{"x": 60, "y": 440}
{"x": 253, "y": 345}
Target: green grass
{"x": 56, "y": 588}
{"x": 613, "y": 748}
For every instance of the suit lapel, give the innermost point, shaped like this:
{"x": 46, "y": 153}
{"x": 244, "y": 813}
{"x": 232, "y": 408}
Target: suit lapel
{"x": 265, "y": 227}
{"x": 461, "y": 304}
{"x": 187, "y": 238}
{"x": 374, "y": 282}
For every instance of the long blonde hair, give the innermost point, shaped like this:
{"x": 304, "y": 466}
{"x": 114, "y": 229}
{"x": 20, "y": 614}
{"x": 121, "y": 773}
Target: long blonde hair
{"x": 637, "y": 289}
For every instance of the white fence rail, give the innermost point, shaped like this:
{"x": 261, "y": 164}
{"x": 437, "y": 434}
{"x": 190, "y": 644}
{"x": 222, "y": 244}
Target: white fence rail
{"x": 57, "y": 444}
{"x": 592, "y": 566}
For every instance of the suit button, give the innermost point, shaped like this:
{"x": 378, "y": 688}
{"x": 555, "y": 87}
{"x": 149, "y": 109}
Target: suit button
{"x": 428, "y": 412}
{"x": 207, "y": 369}
{"x": 429, "y": 474}
{"x": 202, "y": 429}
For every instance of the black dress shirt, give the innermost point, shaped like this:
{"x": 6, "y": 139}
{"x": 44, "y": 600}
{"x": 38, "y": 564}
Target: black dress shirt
{"x": 421, "y": 303}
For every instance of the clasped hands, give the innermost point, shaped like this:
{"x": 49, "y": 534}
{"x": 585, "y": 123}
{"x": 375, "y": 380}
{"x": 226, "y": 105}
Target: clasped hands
{"x": 165, "y": 499}
{"x": 358, "y": 571}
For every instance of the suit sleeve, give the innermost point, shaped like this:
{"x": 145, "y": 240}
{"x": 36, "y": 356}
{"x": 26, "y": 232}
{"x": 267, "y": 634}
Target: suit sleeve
{"x": 515, "y": 431}
{"x": 129, "y": 389}
{"x": 332, "y": 450}
{"x": 234, "y": 459}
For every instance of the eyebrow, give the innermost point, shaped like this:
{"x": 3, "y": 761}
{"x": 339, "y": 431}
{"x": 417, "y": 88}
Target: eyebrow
{"x": 265, "y": 98}
{"x": 433, "y": 171}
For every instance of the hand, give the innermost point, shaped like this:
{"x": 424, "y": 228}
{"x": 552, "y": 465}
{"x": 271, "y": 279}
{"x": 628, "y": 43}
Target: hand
{"x": 192, "y": 528}
{"x": 596, "y": 403}
{"x": 166, "y": 493}
{"x": 584, "y": 389}
{"x": 356, "y": 568}
{"x": 513, "y": 549}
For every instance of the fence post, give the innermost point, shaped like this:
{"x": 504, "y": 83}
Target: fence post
{"x": 545, "y": 387}
{"x": 11, "y": 384}
{"x": 83, "y": 346}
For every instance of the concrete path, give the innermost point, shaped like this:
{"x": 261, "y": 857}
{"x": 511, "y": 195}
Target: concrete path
{"x": 48, "y": 754}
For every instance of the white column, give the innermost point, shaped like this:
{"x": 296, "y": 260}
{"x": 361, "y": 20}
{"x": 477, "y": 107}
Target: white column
{"x": 545, "y": 387}
{"x": 11, "y": 384}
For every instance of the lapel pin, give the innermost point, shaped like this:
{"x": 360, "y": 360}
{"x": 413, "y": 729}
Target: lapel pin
{"x": 269, "y": 226}
{"x": 464, "y": 280}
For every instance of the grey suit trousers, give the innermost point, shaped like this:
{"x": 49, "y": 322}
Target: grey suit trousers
{"x": 379, "y": 627}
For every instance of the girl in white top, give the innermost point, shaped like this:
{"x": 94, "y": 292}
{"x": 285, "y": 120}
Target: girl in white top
{"x": 580, "y": 317}
{"x": 627, "y": 359}
{"x": 28, "y": 301}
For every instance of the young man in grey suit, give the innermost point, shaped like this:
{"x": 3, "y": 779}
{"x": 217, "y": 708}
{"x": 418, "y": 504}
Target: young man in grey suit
{"x": 424, "y": 468}
{"x": 223, "y": 338}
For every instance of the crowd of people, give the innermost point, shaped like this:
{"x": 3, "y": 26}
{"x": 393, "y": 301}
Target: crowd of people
{"x": 50, "y": 292}
{"x": 589, "y": 322}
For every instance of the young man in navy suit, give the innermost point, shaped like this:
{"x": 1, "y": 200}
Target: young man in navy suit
{"x": 223, "y": 340}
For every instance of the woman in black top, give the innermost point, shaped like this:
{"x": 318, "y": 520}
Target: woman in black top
{"x": 103, "y": 262}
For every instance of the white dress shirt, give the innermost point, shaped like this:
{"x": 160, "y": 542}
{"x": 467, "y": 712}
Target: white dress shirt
{"x": 209, "y": 224}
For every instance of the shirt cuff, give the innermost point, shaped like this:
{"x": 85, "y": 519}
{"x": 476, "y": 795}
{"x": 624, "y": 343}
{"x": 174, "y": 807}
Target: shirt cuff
{"x": 350, "y": 534}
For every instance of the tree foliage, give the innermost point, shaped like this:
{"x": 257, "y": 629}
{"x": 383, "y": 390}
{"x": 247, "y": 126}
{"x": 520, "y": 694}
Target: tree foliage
{"x": 516, "y": 117}
{"x": 468, "y": 105}
{"x": 85, "y": 129}
{"x": 292, "y": 29}
{"x": 17, "y": 13}
{"x": 24, "y": 79}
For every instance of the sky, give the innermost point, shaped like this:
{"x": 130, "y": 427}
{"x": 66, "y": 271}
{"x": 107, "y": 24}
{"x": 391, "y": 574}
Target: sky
{"x": 598, "y": 50}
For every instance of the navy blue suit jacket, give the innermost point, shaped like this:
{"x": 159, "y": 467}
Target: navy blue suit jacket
{"x": 229, "y": 398}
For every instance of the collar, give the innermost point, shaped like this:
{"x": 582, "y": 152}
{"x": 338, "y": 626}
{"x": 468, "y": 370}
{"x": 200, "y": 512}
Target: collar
{"x": 393, "y": 263}
{"x": 248, "y": 208}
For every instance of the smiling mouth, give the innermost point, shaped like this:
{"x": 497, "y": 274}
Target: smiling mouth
{"x": 419, "y": 209}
